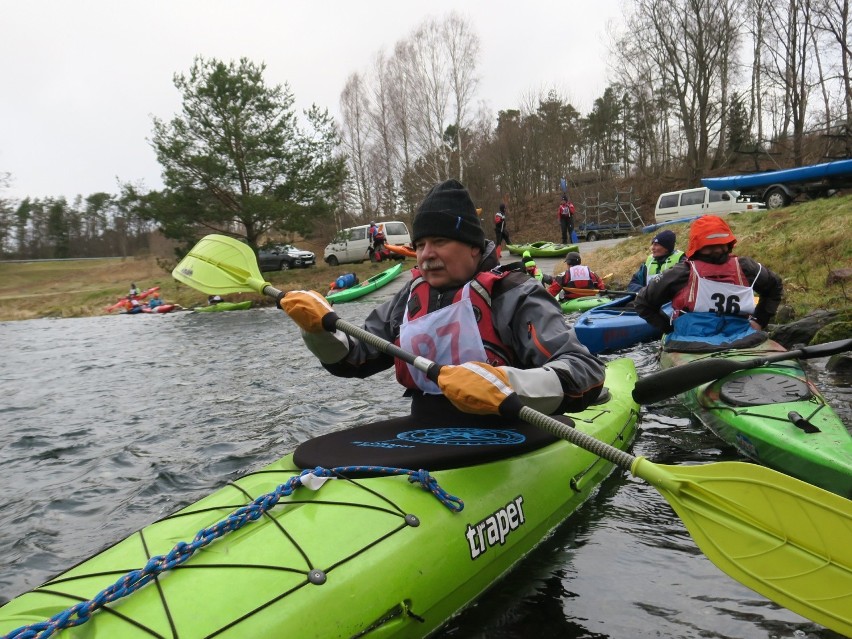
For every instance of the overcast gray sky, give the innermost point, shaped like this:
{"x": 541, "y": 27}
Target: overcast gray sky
{"x": 81, "y": 79}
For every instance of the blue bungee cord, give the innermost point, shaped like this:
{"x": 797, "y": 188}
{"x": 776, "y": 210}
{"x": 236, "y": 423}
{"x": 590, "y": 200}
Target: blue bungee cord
{"x": 134, "y": 580}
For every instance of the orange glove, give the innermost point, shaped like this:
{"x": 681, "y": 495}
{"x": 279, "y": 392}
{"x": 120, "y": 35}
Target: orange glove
{"x": 307, "y": 309}
{"x": 475, "y": 387}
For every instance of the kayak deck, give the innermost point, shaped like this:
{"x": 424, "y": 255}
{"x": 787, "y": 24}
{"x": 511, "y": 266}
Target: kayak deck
{"x": 613, "y": 326}
{"x": 542, "y": 249}
{"x": 578, "y": 304}
{"x": 755, "y": 411}
{"x": 371, "y": 555}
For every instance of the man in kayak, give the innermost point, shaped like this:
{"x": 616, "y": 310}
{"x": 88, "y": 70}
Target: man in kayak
{"x": 663, "y": 256}
{"x": 457, "y": 292}
{"x": 712, "y": 294}
{"x": 155, "y": 300}
{"x": 577, "y": 276}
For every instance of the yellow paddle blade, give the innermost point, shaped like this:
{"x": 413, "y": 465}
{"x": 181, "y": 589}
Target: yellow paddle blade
{"x": 784, "y": 538}
{"x": 220, "y": 265}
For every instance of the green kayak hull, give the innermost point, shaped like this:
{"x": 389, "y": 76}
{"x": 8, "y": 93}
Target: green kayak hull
{"x": 751, "y": 409}
{"x": 579, "y": 304}
{"x": 224, "y": 306}
{"x": 542, "y": 249}
{"x": 368, "y": 286}
{"x": 378, "y": 557}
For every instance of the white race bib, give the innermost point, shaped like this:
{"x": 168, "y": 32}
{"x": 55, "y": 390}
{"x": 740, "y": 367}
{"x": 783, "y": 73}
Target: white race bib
{"x": 445, "y": 336}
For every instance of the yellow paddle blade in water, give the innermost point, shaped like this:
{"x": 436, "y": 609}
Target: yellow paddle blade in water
{"x": 218, "y": 265}
{"x": 784, "y": 538}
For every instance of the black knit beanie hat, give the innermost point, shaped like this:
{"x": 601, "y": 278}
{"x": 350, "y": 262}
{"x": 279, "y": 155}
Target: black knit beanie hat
{"x": 666, "y": 239}
{"x": 448, "y": 211}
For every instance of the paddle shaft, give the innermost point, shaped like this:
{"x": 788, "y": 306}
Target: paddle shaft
{"x": 545, "y": 422}
{"x": 679, "y": 379}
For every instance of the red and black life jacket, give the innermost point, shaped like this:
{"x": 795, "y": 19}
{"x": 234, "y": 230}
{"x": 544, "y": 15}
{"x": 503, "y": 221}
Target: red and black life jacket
{"x": 481, "y": 295}
{"x": 730, "y": 273}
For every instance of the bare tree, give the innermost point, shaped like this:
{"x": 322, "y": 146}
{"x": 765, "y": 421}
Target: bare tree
{"x": 789, "y": 67}
{"x": 386, "y": 147}
{"x": 462, "y": 50}
{"x": 354, "y": 110}
{"x": 835, "y": 18}
{"x": 756, "y": 16}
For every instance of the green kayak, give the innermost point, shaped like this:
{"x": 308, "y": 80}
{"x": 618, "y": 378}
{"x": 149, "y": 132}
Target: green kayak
{"x": 774, "y": 415}
{"x": 367, "y": 553}
{"x": 542, "y": 249}
{"x": 223, "y": 306}
{"x": 584, "y": 303}
{"x": 368, "y": 286}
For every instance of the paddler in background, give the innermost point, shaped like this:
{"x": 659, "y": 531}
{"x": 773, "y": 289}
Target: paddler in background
{"x": 525, "y": 351}
{"x": 133, "y": 290}
{"x": 663, "y": 256}
{"x": 577, "y": 276}
{"x": 533, "y": 270}
{"x": 712, "y": 294}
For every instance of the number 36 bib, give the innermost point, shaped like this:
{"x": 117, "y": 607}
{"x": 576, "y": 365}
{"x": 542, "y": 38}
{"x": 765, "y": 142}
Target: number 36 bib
{"x": 723, "y": 298}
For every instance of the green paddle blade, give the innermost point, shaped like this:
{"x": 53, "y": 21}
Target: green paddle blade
{"x": 219, "y": 265}
{"x": 781, "y": 537}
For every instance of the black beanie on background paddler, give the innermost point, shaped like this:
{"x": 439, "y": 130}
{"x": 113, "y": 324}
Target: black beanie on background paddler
{"x": 666, "y": 239}
{"x": 448, "y": 211}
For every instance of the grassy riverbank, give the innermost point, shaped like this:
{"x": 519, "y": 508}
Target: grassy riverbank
{"x": 802, "y": 243}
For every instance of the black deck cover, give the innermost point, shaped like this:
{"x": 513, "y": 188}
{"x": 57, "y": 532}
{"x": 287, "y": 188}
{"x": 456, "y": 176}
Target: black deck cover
{"x": 412, "y": 443}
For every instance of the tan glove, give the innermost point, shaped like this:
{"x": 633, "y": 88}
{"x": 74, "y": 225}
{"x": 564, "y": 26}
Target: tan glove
{"x": 475, "y": 387}
{"x": 307, "y": 309}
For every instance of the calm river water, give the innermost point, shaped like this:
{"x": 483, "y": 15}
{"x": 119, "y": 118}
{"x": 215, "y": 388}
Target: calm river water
{"x": 109, "y": 423}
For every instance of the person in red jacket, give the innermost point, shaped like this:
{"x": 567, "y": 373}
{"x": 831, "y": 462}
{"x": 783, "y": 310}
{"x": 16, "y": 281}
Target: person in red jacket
{"x": 565, "y": 215}
{"x": 577, "y": 276}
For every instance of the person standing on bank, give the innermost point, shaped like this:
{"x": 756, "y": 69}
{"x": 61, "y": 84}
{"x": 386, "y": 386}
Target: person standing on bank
{"x": 663, "y": 256}
{"x": 500, "y": 232}
{"x": 524, "y": 350}
{"x": 712, "y": 294}
{"x": 565, "y": 215}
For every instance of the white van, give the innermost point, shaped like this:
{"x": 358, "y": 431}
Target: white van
{"x": 352, "y": 244}
{"x": 690, "y": 203}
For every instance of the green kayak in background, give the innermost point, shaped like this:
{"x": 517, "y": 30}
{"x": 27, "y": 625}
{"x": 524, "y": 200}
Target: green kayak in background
{"x": 774, "y": 415}
{"x": 355, "y": 552}
{"x": 584, "y": 303}
{"x": 368, "y": 286}
{"x": 542, "y": 249}
{"x": 223, "y": 306}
